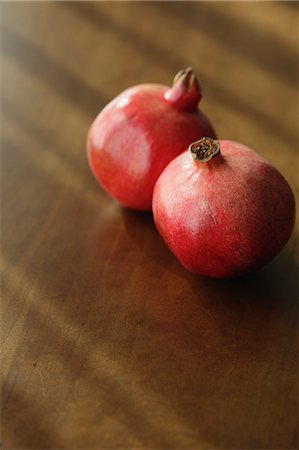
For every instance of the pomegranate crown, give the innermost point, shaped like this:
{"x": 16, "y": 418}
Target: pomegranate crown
{"x": 205, "y": 149}
{"x": 185, "y": 92}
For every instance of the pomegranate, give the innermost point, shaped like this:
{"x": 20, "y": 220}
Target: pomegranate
{"x": 222, "y": 209}
{"x": 137, "y": 134}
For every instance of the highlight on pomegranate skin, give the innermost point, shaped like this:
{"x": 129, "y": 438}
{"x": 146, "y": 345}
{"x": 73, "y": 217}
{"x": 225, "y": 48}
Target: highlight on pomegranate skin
{"x": 138, "y": 133}
{"x": 222, "y": 209}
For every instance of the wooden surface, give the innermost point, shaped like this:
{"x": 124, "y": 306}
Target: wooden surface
{"x": 107, "y": 342}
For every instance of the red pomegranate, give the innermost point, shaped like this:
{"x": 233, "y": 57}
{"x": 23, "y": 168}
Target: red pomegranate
{"x": 222, "y": 209}
{"x": 137, "y": 134}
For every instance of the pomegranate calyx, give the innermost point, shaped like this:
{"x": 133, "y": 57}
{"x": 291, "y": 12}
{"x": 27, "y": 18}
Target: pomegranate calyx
{"x": 205, "y": 149}
{"x": 185, "y": 92}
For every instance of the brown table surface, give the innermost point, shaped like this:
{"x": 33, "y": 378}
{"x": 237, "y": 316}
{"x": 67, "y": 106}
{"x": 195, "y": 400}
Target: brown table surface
{"x": 107, "y": 342}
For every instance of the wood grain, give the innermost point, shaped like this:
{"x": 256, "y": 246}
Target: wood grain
{"x": 106, "y": 341}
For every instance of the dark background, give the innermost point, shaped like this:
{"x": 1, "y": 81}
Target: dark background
{"x": 107, "y": 341}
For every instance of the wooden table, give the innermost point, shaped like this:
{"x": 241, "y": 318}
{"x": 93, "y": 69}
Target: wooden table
{"x": 107, "y": 342}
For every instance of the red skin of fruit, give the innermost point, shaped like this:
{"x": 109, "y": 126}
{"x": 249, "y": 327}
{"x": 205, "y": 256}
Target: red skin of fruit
{"x": 137, "y": 134}
{"x": 224, "y": 217}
